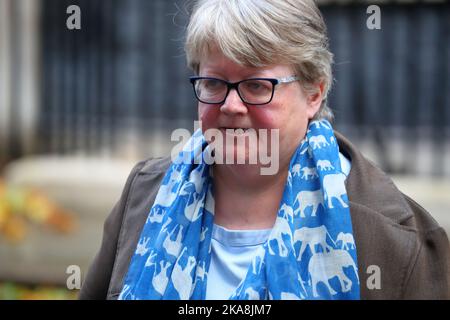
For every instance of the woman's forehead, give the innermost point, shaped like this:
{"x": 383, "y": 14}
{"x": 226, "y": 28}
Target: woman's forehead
{"x": 216, "y": 61}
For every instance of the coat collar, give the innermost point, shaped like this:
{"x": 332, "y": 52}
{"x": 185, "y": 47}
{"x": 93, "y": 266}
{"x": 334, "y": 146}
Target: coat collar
{"x": 370, "y": 187}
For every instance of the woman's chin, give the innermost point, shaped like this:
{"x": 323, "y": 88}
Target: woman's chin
{"x": 239, "y": 155}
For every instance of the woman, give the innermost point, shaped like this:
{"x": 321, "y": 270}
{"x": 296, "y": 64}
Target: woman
{"x": 326, "y": 224}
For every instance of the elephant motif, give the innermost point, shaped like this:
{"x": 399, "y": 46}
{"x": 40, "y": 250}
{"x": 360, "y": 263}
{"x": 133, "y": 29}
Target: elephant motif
{"x": 126, "y": 293}
{"x": 288, "y": 212}
{"x": 252, "y": 294}
{"x": 156, "y": 215}
{"x": 346, "y": 239}
{"x": 196, "y": 176}
{"x": 324, "y": 165}
{"x": 173, "y": 247}
{"x": 307, "y": 150}
{"x": 209, "y": 202}
{"x": 292, "y": 296}
{"x": 318, "y": 142}
{"x": 289, "y": 296}
{"x": 258, "y": 261}
{"x": 321, "y": 123}
{"x": 289, "y": 179}
{"x": 203, "y": 233}
{"x": 333, "y": 140}
{"x": 324, "y": 266}
{"x": 296, "y": 170}
{"x": 142, "y": 248}
{"x": 181, "y": 278}
{"x": 192, "y": 211}
{"x": 310, "y": 237}
{"x": 201, "y": 271}
{"x": 200, "y": 274}
{"x": 165, "y": 196}
{"x": 151, "y": 260}
{"x": 160, "y": 280}
{"x": 334, "y": 186}
{"x": 307, "y": 199}
{"x": 281, "y": 228}
{"x": 307, "y": 172}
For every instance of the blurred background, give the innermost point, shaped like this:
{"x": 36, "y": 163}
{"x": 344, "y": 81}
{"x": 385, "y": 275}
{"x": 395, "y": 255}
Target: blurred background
{"x": 79, "y": 107}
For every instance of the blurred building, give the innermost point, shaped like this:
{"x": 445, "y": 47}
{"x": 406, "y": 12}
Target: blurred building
{"x": 91, "y": 102}
{"x": 118, "y": 86}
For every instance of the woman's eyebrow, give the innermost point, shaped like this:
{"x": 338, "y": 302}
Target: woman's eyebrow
{"x": 249, "y": 75}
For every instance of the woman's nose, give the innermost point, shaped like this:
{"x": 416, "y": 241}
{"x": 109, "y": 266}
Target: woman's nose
{"x": 233, "y": 104}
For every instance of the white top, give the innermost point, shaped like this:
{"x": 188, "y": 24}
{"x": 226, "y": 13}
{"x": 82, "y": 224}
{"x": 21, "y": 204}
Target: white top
{"x": 232, "y": 251}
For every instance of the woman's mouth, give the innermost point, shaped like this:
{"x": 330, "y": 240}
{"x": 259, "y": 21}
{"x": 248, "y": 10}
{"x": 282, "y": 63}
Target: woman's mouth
{"x": 234, "y": 131}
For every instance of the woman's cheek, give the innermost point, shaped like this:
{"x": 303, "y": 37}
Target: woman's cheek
{"x": 273, "y": 118}
{"x": 265, "y": 119}
{"x": 208, "y": 116}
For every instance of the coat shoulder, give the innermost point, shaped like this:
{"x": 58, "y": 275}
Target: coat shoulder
{"x": 155, "y": 165}
{"x": 394, "y": 234}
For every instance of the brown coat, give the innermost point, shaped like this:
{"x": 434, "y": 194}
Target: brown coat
{"x": 391, "y": 231}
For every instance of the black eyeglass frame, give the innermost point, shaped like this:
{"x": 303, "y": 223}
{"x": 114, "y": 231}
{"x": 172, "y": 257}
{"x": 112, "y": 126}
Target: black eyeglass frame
{"x": 235, "y": 85}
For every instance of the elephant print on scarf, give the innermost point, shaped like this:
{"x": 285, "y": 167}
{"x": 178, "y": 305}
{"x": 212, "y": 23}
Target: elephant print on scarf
{"x": 155, "y": 216}
{"x": 295, "y": 170}
{"x": 289, "y": 296}
{"x": 160, "y": 280}
{"x": 210, "y": 203}
{"x": 288, "y": 212}
{"x": 346, "y": 239}
{"x": 173, "y": 247}
{"x": 166, "y": 196}
{"x": 334, "y": 186}
{"x": 312, "y": 237}
{"x": 141, "y": 248}
{"x": 203, "y": 233}
{"x": 318, "y": 142}
{"x": 281, "y": 228}
{"x": 289, "y": 179}
{"x": 333, "y": 140}
{"x": 258, "y": 261}
{"x": 151, "y": 259}
{"x": 196, "y": 176}
{"x": 201, "y": 271}
{"x": 181, "y": 278}
{"x": 324, "y": 165}
{"x": 192, "y": 211}
{"x": 299, "y": 258}
{"x": 252, "y": 294}
{"x": 322, "y": 123}
{"x": 309, "y": 172}
{"x": 324, "y": 266}
{"x": 307, "y": 199}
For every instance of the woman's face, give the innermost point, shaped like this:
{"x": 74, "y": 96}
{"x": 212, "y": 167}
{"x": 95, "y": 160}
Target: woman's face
{"x": 289, "y": 111}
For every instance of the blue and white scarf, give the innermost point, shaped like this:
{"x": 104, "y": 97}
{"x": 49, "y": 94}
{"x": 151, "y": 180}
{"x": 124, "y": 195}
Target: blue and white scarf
{"x": 310, "y": 253}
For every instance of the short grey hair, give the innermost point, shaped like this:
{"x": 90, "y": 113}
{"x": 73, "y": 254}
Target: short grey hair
{"x": 263, "y": 32}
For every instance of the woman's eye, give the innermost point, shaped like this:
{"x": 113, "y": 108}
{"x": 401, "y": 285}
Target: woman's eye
{"x": 212, "y": 83}
{"x": 256, "y": 86}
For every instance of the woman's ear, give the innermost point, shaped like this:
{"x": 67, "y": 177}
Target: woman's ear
{"x": 315, "y": 98}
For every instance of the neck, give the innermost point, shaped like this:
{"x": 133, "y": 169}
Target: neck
{"x": 245, "y": 199}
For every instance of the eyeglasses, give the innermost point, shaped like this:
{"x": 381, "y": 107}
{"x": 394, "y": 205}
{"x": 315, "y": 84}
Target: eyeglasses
{"x": 255, "y": 91}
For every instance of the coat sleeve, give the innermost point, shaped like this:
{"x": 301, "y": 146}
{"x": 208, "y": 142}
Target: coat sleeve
{"x": 96, "y": 283}
{"x": 430, "y": 273}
